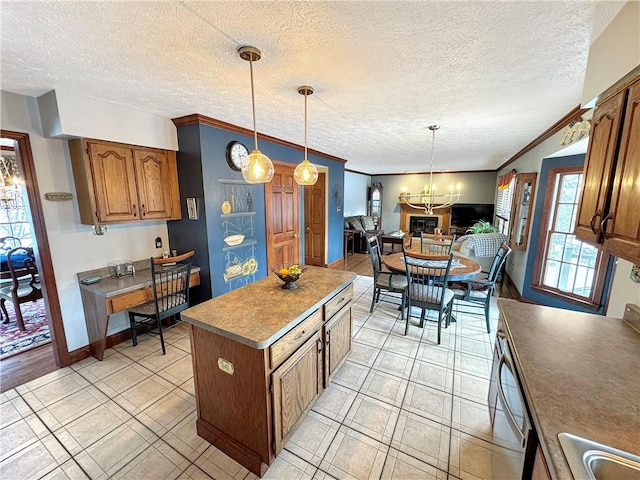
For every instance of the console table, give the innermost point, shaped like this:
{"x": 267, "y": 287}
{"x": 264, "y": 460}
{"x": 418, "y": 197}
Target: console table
{"x": 112, "y": 295}
{"x": 392, "y": 240}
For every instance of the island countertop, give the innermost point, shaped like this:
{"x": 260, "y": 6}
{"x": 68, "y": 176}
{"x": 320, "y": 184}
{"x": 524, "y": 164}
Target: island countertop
{"x": 580, "y": 374}
{"x": 260, "y": 313}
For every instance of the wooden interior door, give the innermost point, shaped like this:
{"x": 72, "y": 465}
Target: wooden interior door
{"x": 314, "y": 221}
{"x": 282, "y": 205}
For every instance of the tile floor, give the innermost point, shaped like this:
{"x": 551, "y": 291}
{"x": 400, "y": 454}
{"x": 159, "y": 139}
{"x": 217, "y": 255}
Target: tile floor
{"x": 400, "y": 408}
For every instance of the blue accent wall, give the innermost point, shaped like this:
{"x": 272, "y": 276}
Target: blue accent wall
{"x": 204, "y": 174}
{"x": 538, "y": 236}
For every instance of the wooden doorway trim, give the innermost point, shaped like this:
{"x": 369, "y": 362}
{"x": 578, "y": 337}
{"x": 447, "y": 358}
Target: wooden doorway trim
{"x": 315, "y": 207}
{"x": 41, "y": 247}
{"x": 282, "y": 216}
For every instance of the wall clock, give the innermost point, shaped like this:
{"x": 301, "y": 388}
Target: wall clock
{"x": 236, "y": 152}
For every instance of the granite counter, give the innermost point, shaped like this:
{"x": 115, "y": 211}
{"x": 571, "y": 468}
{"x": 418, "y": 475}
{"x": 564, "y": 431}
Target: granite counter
{"x": 580, "y": 374}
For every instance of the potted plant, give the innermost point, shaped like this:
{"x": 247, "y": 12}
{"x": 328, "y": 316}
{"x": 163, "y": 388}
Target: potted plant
{"x": 482, "y": 226}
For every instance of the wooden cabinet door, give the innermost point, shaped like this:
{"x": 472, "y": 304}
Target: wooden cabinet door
{"x": 598, "y": 168}
{"x": 622, "y": 225}
{"x": 155, "y": 178}
{"x": 297, "y": 383}
{"x": 337, "y": 340}
{"x": 114, "y": 182}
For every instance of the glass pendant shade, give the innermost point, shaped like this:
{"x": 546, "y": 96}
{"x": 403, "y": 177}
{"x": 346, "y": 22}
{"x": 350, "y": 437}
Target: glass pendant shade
{"x": 306, "y": 173}
{"x": 257, "y": 168}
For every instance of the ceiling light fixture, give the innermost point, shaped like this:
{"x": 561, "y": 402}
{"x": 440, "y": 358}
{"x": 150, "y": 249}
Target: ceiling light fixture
{"x": 256, "y": 167}
{"x": 306, "y": 173}
{"x": 429, "y": 197}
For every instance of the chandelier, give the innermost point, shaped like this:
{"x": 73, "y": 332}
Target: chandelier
{"x": 429, "y": 199}
{"x": 11, "y": 196}
{"x": 256, "y": 167}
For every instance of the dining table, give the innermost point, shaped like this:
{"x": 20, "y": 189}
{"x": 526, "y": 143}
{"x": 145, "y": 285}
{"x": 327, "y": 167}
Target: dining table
{"x": 462, "y": 268}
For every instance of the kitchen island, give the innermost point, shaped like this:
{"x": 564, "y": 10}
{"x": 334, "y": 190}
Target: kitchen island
{"x": 580, "y": 374}
{"x": 262, "y": 356}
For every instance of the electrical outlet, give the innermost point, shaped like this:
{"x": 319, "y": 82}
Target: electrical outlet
{"x": 158, "y": 242}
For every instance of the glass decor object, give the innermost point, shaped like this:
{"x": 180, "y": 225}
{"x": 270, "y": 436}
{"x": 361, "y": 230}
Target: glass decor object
{"x": 306, "y": 173}
{"x": 256, "y": 167}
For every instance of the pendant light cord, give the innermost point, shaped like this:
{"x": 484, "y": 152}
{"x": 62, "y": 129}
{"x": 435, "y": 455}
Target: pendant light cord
{"x": 305, "y": 125}
{"x": 253, "y": 104}
{"x": 433, "y": 140}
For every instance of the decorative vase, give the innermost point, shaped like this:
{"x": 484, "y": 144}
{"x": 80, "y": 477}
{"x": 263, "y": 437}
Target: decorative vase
{"x": 289, "y": 285}
{"x": 226, "y": 207}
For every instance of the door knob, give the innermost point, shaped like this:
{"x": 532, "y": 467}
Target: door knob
{"x": 295, "y": 235}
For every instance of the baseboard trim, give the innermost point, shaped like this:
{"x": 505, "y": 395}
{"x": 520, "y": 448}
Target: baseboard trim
{"x": 337, "y": 264}
{"x": 112, "y": 340}
{"x": 509, "y": 285}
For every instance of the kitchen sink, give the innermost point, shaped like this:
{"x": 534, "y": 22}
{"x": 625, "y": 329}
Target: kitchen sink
{"x": 595, "y": 461}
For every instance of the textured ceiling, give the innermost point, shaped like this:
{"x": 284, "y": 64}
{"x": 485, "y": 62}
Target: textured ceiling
{"x": 493, "y": 74}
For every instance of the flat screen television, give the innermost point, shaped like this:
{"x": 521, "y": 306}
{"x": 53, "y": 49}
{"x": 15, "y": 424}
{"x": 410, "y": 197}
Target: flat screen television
{"x": 466, "y": 214}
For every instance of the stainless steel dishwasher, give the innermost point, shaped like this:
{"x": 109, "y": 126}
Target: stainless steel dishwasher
{"x": 510, "y": 419}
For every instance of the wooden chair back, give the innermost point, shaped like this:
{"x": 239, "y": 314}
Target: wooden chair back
{"x": 436, "y": 244}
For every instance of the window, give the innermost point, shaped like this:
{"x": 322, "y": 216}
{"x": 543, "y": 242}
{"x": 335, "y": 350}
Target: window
{"x": 14, "y": 215}
{"x": 565, "y": 266}
{"x": 506, "y": 187}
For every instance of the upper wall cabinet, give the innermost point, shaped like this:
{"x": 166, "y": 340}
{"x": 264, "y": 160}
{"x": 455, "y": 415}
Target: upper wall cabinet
{"x": 118, "y": 183}
{"x": 523, "y": 208}
{"x": 609, "y": 211}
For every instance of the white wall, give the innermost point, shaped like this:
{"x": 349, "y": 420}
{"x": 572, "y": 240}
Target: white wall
{"x": 73, "y": 246}
{"x": 623, "y": 290}
{"x": 356, "y": 188}
{"x": 477, "y": 187}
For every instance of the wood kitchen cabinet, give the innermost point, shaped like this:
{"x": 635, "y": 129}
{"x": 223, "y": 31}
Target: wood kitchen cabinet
{"x": 337, "y": 340}
{"x": 119, "y": 183}
{"x": 608, "y": 212}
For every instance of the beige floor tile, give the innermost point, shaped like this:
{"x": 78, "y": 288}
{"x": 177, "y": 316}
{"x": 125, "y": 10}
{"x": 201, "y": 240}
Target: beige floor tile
{"x": 386, "y": 388}
{"x": 53, "y": 391}
{"x": 69, "y": 470}
{"x": 147, "y": 345}
{"x": 34, "y": 461}
{"x": 363, "y": 354}
{"x": 478, "y": 348}
{"x": 351, "y": 375}
{"x": 335, "y": 402}
{"x": 144, "y": 394}
{"x": 423, "y": 439}
{"x": 72, "y": 407}
{"x": 320, "y": 475}
{"x": 45, "y": 379}
{"x": 472, "y": 418}
{"x": 91, "y": 427}
{"x": 184, "y": 438}
{"x": 400, "y": 466}
{"x": 404, "y": 346}
{"x": 432, "y": 375}
{"x": 156, "y": 361}
{"x": 471, "y": 387}
{"x": 353, "y": 455}
{"x": 178, "y": 371}
{"x": 189, "y": 386}
{"x": 287, "y": 467}
{"x": 20, "y": 434}
{"x": 176, "y": 333}
{"x": 428, "y": 402}
{"x": 373, "y": 418}
{"x": 312, "y": 438}
{"x": 96, "y": 371}
{"x": 194, "y": 473}
{"x": 436, "y": 354}
{"x": 183, "y": 344}
{"x": 124, "y": 379}
{"x": 116, "y": 449}
{"x": 473, "y": 365}
{"x": 13, "y": 408}
{"x": 158, "y": 462}
{"x": 220, "y": 466}
{"x": 447, "y": 336}
{"x": 394, "y": 364}
{"x": 167, "y": 412}
{"x": 373, "y": 338}
{"x": 471, "y": 458}
{"x": 415, "y": 332}
{"x": 380, "y": 322}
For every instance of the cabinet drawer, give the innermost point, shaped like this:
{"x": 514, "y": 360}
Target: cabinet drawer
{"x": 334, "y": 305}
{"x": 284, "y": 347}
{"x": 131, "y": 299}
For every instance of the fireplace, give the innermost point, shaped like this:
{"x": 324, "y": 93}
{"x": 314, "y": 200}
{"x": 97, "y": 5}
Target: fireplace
{"x": 420, "y": 224}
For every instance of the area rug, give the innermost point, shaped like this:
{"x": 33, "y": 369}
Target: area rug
{"x": 13, "y": 341}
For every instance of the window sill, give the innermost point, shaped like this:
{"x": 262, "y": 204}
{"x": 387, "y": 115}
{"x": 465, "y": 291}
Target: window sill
{"x": 568, "y": 298}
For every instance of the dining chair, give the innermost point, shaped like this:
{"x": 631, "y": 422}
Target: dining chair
{"x": 384, "y": 279}
{"x": 427, "y": 275}
{"x": 170, "y": 286}
{"x": 436, "y": 244}
{"x": 25, "y": 283}
{"x": 480, "y": 288}
{"x": 8, "y": 243}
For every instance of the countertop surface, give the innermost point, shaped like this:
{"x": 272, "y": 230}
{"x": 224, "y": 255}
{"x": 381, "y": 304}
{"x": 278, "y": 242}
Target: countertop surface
{"x": 261, "y": 312}
{"x": 580, "y": 374}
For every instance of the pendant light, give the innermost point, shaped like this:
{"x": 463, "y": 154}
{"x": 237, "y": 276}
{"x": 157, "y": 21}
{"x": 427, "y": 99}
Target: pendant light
{"x": 306, "y": 173}
{"x": 256, "y": 167}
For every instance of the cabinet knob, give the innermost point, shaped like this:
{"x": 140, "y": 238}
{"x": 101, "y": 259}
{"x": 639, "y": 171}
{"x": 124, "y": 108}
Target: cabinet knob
{"x": 135, "y": 210}
{"x": 144, "y": 210}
